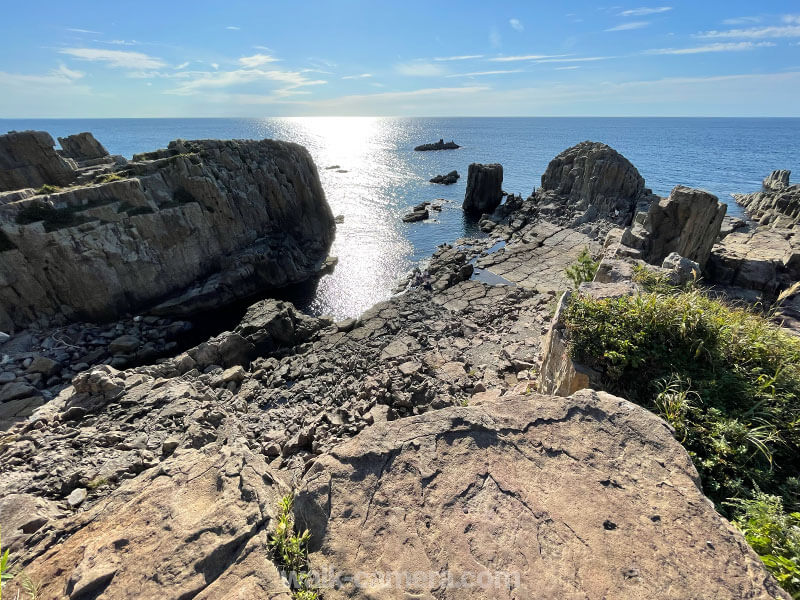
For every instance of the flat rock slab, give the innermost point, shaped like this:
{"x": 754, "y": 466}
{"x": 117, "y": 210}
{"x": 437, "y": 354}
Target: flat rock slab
{"x": 531, "y": 497}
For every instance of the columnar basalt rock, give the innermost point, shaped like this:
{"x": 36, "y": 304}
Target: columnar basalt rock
{"x": 28, "y": 160}
{"x": 484, "y": 188}
{"x": 777, "y": 205}
{"x": 193, "y": 227}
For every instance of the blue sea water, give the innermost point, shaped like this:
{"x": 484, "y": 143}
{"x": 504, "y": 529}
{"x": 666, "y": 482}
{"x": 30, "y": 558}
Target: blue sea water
{"x": 384, "y": 177}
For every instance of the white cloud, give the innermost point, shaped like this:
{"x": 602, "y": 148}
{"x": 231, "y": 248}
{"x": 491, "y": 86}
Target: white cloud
{"x": 791, "y": 19}
{"x": 574, "y": 60}
{"x": 183, "y": 65}
{"x": 461, "y": 57}
{"x": 233, "y": 28}
{"x": 570, "y": 68}
{"x": 640, "y": 12}
{"x": 67, "y": 72}
{"x": 719, "y": 47}
{"x": 741, "y": 20}
{"x": 516, "y": 24}
{"x": 215, "y": 66}
{"x": 775, "y": 31}
{"x": 288, "y": 81}
{"x": 116, "y": 58}
{"x": 257, "y": 60}
{"x": 360, "y": 76}
{"x": 77, "y": 30}
{"x": 480, "y": 73}
{"x": 629, "y": 26}
{"x": 494, "y": 37}
{"x": 526, "y": 57}
{"x": 420, "y": 69}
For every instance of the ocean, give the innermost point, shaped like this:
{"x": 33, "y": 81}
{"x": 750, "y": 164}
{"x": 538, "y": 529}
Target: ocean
{"x": 379, "y": 176}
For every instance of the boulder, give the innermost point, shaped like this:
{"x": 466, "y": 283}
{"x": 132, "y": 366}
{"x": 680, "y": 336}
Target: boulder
{"x": 272, "y": 323}
{"x": 82, "y": 147}
{"x": 526, "y": 497}
{"x": 191, "y": 228}
{"x": 484, "y": 188}
{"x": 28, "y": 160}
{"x": 594, "y": 174}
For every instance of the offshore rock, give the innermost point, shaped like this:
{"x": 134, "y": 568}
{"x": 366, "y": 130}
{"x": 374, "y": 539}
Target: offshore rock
{"x": 484, "y": 188}
{"x": 440, "y": 145}
{"x": 193, "y": 227}
{"x": 449, "y": 179}
{"x": 528, "y": 497}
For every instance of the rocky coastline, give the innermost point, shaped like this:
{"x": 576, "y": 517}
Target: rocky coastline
{"x": 442, "y": 429}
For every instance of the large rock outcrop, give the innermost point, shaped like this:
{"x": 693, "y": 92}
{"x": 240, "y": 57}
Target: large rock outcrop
{"x": 595, "y": 177}
{"x": 28, "y": 160}
{"x": 527, "y": 497}
{"x": 82, "y": 147}
{"x": 778, "y": 204}
{"x": 484, "y": 188}
{"x": 193, "y": 227}
{"x": 687, "y": 222}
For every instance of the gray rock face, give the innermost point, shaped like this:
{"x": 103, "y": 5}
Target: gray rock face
{"x": 82, "y": 147}
{"x": 529, "y": 497}
{"x": 594, "y": 174}
{"x": 777, "y": 205}
{"x": 28, "y": 160}
{"x": 484, "y": 188}
{"x": 192, "y": 228}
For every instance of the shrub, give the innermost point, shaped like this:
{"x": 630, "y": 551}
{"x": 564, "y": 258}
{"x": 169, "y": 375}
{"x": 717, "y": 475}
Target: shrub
{"x": 47, "y": 189}
{"x": 583, "y": 269}
{"x": 109, "y": 177}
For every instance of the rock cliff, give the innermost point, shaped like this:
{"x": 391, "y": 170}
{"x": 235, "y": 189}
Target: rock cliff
{"x": 484, "y": 188}
{"x": 189, "y": 228}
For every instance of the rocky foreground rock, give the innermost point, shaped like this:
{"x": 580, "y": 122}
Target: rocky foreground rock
{"x": 185, "y": 229}
{"x": 412, "y": 436}
{"x": 777, "y": 204}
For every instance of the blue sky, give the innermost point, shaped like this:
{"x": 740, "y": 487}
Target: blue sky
{"x": 369, "y": 57}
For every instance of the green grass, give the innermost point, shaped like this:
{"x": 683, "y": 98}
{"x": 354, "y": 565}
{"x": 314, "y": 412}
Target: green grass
{"x": 48, "y": 189}
{"x": 290, "y": 551}
{"x": 726, "y": 378}
{"x": 111, "y": 177}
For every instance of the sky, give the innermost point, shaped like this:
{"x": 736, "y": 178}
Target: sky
{"x": 372, "y": 57}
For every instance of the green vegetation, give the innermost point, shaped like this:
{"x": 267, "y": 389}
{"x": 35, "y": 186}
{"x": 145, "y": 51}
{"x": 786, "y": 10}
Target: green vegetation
{"x": 48, "y": 189}
{"x": 726, "y": 379}
{"x": 290, "y": 552}
{"x": 5, "y": 567}
{"x": 583, "y": 269}
{"x": 774, "y": 535}
{"x": 111, "y": 177}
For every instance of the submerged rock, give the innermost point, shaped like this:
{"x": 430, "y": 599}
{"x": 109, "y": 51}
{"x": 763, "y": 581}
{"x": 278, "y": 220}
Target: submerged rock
{"x": 484, "y": 188}
{"x": 193, "y": 227}
{"x": 440, "y": 145}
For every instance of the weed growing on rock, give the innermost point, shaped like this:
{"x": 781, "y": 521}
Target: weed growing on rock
{"x": 290, "y": 551}
{"x": 111, "y": 177}
{"x": 583, "y": 269}
{"x": 47, "y": 189}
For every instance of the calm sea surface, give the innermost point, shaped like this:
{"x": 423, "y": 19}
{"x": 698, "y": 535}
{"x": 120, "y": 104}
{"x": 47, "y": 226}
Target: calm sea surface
{"x": 385, "y": 177}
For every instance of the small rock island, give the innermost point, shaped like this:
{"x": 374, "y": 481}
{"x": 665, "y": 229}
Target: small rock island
{"x": 440, "y": 145}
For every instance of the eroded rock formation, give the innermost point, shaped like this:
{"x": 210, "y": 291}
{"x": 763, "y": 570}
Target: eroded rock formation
{"x": 484, "y": 188}
{"x": 777, "y": 205}
{"x": 192, "y": 227}
{"x": 28, "y": 160}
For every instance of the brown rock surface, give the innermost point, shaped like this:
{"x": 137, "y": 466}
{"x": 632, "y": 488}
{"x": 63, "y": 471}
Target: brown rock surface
{"x": 587, "y": 497}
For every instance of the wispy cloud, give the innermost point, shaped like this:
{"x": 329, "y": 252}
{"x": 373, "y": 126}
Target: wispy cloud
{"x": 719, "y": 47}
{"x": 233, "y": 28}
{"x": 741, "y": 20}
{"x": 256, "y": 60}
{"x": 461, "y": 57}
{"x": 481, "y": 73}
{"x": 516, "y": 24}
{"x": 526, "y": 57}
{"x": 183, "y": 65}
{"x": 494, "y": 38}
{"x": 791, "y": 19}
{"x": 420, "y": 69}
{"x": 116, "y": 58}
{"x": 789, "y": 29}
{"x": 287, "y": 82}
{"x": 570, "y": 68}
{"x": 578, "y": 59}
{"x": 78, "y": 30}
{"x": 644, "y": 10}
{"x": 629, "y": 26}
{"x": 360, "y": 76}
